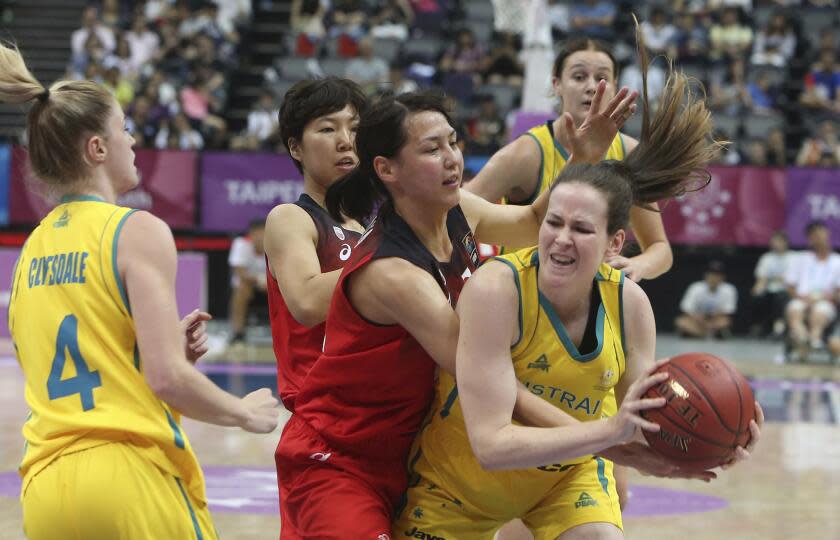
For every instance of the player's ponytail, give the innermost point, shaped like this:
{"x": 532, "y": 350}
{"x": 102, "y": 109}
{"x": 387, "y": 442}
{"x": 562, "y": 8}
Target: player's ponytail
{"x": 674, "y": 147}
{"x": 59, "y": 120}
{"x": 381, "y": 133}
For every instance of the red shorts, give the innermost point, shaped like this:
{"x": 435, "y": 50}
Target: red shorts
{"x": 327, "y": 494}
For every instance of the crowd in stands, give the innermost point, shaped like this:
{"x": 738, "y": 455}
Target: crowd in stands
{"x": 167, "y": 62}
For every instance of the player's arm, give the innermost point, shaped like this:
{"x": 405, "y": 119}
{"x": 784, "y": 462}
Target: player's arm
{"x": 518, "y": 226}
{"x": 394, "y": 291}
{"x": 513, "y": 171}
{"x": 656, "y": 257}
{"x": 487, "y": 386}
{"x": 147, "y": 262}
{"x": 290, "y": 244}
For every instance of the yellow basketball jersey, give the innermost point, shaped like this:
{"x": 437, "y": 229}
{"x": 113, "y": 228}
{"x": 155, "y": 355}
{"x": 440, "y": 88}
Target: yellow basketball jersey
{"x": 553, "y": 157}
{"x": 549, "y": 365}
{"x": 70, "y": 321}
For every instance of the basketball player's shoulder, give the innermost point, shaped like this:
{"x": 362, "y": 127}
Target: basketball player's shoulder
{"x": 145, "y": 235}
{"x": 636, "y": 303}
{"x": 289, "y": 219}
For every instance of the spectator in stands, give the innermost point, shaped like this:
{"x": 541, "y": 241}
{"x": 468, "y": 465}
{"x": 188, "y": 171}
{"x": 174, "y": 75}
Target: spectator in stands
{"x": 729, "y": 92}
{"x": 464, "y": 56}
{"x": 503, "y": 63}
{"x": 761, "y": 94}
{"x": 776, "y": 148}
{"x": 631, "y": 77}
{"x": 812, "y": 284}
{"x": 121, "y": 59}
{"x": 92, "y": 25}
{"x": 346, "y": 22}
{"x": 775, "y": 44}
{"x": 558, "y": 13}
{"x": 307, "y": 20}
{"x": 368, "y": 71}
{"x": 827, "y": 41}
{"x": 487, "y": 130}
{"x": 769, "y": 295}
{"x": 731, "y": 38}
{"x": 708, "y": 305}
{"x": 692, "y": 41}
{"x": 660, "y": 35}
{"x": 142, "y": 121}
{"x": 822, "y": 83}
{"x": 93, "y": 52}
{"x": 232, "y": 14}
{"x": 248, "y": 277}
{"x": 179, "y": 126}
{"x": 825, "y": 141}
{"x": 262, "y": 123}
{"x": 143, "y": 43}
{"x": 593, "y": 18}
{"x": 756, "y": 153}
{"x": 398, "y": 83}
{"x": 122, "y": 88}
{"x": 391, "y": 19}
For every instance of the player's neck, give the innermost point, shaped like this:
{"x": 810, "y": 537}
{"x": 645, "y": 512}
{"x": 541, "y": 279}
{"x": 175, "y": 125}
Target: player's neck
{"x": 97, "y": 187}
{"x": 315, "y": 190}
{"x": 429, "y": 227}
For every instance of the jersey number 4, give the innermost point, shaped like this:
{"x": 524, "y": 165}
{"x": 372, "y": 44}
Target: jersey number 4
{"x": 85, "y": 380}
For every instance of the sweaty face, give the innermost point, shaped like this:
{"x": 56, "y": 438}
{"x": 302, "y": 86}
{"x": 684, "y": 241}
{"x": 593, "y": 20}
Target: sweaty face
{"x": 327, "y": 148}
{"x": 573, "y": 238}
{"x": 428, "y": 168}
{"x": 582, "y": 71}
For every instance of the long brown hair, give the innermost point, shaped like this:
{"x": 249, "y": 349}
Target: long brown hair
{"x": 58, "y": 121}
{"x": 674, "y": 147}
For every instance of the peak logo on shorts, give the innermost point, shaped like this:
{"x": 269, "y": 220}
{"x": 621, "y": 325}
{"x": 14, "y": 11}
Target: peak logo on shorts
{"x": 585, "y": 500}
{"x": 417, "y": 533}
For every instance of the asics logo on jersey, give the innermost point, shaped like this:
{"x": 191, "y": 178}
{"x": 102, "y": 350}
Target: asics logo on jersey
{"x": 540, "y": 363}
{"x": 345, "y": 252}
{"x": 383, "y": 537}
{"x": 320, "y": 456}
{"x": 585, "y": 500}
{"x": 338, "y": 232}
{"x": 417, "y": 533}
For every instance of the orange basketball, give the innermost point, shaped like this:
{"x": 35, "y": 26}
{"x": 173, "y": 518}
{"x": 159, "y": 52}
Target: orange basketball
{"x": 707, "y": 414}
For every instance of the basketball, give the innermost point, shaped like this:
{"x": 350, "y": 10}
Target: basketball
{"x": 707, "y": 414}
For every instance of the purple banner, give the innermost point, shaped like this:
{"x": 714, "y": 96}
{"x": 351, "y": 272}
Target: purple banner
{"x": 167, "y": 188}
{"x": 238, "y": 188}
{"x": 190, "y": 283}
{"x": 812, "y": 195}
{"x": 741, "y": 206}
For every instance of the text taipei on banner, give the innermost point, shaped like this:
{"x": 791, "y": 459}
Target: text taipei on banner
{"x": 239, "y": 188}
{"x": 812, "y": 195}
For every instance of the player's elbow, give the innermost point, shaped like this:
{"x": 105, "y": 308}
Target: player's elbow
{"x": 307, "y": 312}
{"x": 487, "y": 453}
{"x": 164, "y": 382}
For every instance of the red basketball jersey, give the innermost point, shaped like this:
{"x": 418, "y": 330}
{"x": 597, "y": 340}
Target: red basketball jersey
{"x": 296, "y": 347}
{"x": 369, "y": 391}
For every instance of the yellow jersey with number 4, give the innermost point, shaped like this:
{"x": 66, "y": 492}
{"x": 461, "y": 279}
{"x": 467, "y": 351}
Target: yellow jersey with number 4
{"x": 70, "y": 321}
{"x": 549, "y": 364}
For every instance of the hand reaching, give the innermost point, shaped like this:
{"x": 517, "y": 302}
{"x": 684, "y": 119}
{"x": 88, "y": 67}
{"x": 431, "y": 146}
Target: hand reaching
{"x": 590, "y": 142}
{"x": 632, "y": 268}
{"x": 194, "y": 329}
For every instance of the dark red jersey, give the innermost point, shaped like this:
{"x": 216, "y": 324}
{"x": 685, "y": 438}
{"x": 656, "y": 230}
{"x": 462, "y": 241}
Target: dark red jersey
{"x": 368, "y": 393}
{"x": 296, "y": 346}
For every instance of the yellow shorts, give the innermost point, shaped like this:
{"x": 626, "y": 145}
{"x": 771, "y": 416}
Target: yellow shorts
{"x": 585, "y": 494}
{"x": 111, "y": 492}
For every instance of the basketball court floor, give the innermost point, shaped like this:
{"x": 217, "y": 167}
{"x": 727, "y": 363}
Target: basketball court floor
{"x": 789, "y": 490}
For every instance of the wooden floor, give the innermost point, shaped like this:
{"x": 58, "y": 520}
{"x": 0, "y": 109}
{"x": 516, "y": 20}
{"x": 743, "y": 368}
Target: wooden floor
{"x": 789, "y": 490}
